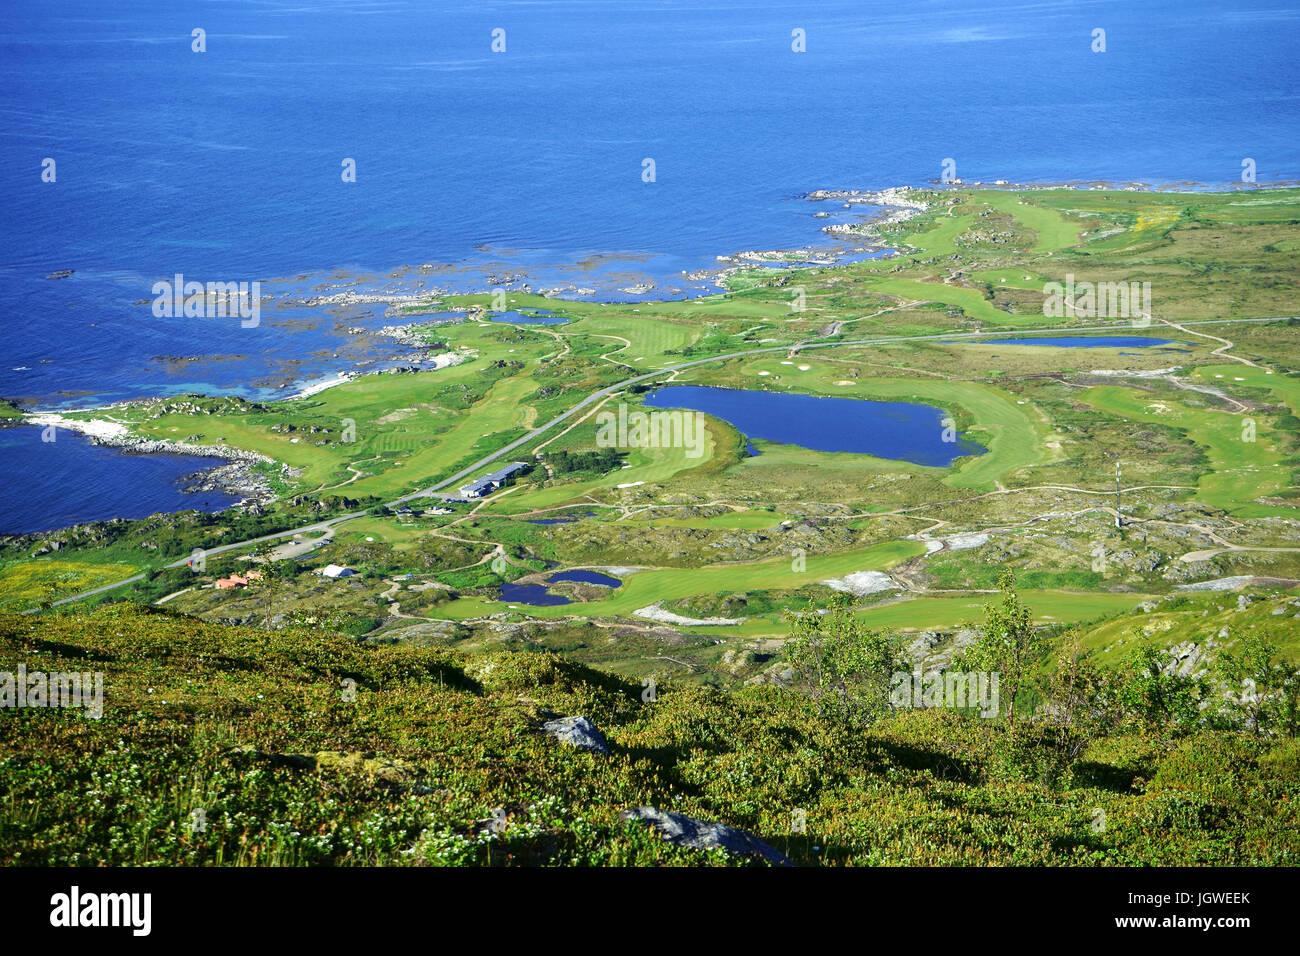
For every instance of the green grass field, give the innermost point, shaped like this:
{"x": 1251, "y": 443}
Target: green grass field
{"x": 669, "y": 584}
{"x": 911, "y": 613}
{"x": 1245, "y": 465}
{"x": 24, "y": 585}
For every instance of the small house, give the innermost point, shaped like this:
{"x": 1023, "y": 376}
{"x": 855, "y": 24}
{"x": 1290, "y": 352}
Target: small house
{"x": 237, "y": 580}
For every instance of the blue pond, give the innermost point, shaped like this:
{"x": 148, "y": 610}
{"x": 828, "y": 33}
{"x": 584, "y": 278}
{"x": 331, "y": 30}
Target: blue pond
{"x": 534, "y": 594}
{"x": 1086, "y": 341}
{"x": 902, "y": 431}
{"x": 588, "y": 577}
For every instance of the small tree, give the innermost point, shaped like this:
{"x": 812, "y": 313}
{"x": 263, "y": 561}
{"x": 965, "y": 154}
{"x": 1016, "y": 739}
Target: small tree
{"x": 1152, "y": 692}
{"x": 847, "y": 666}
{"x": 1267, "y": 689}
{"x": 1077, "y": 700}
{"x": 1287, "y": 709}
{"x": 274, "y": 575}
{"x": 49, "y": 594}
{"x": 1009, "y": 644}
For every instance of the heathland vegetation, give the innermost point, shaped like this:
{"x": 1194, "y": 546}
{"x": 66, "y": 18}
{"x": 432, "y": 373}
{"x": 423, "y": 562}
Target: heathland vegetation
{"x": 228, "y": 745}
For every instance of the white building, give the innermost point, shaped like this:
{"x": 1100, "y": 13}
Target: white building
{"x": 336, "y": 571}
{"x": 490, "y": 483}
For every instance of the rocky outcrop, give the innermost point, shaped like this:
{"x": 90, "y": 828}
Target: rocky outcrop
{"x": 935, "y": 650}
{"x": 1189, "y": 659}
{"x": 897, "y": 196}
{"x": 899, "y": 199}
{"x": 862, "y": 583}
{"x": 1217, "y": 584}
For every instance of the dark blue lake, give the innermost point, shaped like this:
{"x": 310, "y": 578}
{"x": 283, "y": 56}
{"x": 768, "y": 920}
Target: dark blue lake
{"x": 71, "y": 480}
{"x": 1086, "y": 341}
{"x": 902, "y": 431}
{"x": 588, "y": 577}
{"x": 534, "y": 594}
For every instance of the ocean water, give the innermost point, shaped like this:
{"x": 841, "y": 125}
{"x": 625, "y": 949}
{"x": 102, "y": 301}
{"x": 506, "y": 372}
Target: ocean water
{"x": 527, "y": 165}
{"x": 141, "y": 485}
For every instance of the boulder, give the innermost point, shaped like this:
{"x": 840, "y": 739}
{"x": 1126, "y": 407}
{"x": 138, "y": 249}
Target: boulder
{"x": 577, "y": 732}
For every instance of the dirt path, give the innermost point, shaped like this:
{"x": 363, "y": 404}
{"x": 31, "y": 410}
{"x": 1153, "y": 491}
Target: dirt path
{"x": 356, "y": 473}
{"x": 576, "y": 423}
{"x": 166, "y": 598}
{"x": 1221, "y": 351}
{"x": 1192, "y": 556}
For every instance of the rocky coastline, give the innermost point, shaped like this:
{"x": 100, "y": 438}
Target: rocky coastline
{"x": 239, "y": 477}
{"x": 899, "y": 203}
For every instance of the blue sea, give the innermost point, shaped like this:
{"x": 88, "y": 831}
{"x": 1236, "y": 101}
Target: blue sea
{"x": 475, "y": 168}
{"x": 142, "y": 484}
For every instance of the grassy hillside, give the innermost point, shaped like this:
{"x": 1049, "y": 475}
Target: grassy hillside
{"x": 439, "y": 760}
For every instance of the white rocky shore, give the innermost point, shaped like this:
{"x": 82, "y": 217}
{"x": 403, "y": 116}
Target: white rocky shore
{"x": 899, "y": 199}
{"x": 808, "y": 254}
{"x": 98, "y": 429}
{"x": 426, "y": 298}
{"x": 896, "y": 196}
{"x": 317, "y": 387}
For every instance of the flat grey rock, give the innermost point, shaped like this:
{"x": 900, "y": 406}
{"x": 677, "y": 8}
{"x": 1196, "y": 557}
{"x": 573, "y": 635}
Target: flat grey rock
{"x": 681, "y": 830}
